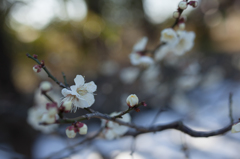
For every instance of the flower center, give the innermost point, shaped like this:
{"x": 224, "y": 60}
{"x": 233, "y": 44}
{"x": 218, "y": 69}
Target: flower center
{"x": 81, "y": 91}
{"x": 167, "y": 36}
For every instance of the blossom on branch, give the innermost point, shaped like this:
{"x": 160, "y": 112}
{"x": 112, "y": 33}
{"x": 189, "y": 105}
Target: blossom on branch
{"x": 45, "y": 86}
{"x": 169, "y": 36}
{"x": 132, "y": 100}
{"x": 138, "y": 57}
{"x": 35, "y": 115}
{"x": 80, "y": 94}
{"x": 186, "y": 42}
{"x": 114, "y": 130}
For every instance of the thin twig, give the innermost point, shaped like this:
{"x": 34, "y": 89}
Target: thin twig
{"x": 157, "y": 115}
{"x": 46, "y": 70}
{"x": 65, "y": 79}
{"x": 230, "y": 107}
{"x": 47, "y": 96}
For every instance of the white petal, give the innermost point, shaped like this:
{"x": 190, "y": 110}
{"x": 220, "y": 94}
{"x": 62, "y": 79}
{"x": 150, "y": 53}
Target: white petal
{"x": 161, "y": 52}
{"x": 134, "y": 58}
{"x": 90, "y": 87}
{"x": 109, "y": 134}
{"x": 237, "y": 127}
{"x": 89, "y": 98}
{"x": 79, "y": 80}
{"x": 120, "y": 130}
{"x": 66, "y": 92}
{"x": 141, "y": 44}
{"x": 146, "y": 60}
{"x": 80, "y": 103}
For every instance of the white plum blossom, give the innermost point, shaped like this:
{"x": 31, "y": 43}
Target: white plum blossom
{"x": 132, "y": 100}
{"x": 80, "y": 94}
{"x": 186, "y": 42}
{"x": 236, "y": 128}
{"x": 136, "y": 57}
{"x": 35, "y": 115}
{"x": 182, "y": 5}
{"x": 169, "y": 36}
{"x": 114, "y": 130}
{"x": 45, "y": 86}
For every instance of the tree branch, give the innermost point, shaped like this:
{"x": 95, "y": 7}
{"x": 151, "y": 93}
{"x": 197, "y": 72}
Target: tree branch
{"x": 48, "y": 73}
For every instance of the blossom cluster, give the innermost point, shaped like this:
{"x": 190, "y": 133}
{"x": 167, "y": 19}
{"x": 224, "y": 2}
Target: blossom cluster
{"x": 114, "y": 130}
{"x": 172, "y": 42}
{"x": 79, "y": 127}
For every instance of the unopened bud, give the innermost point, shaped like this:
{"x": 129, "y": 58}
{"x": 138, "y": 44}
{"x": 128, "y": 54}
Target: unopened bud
{"x": 52, "y": 108}
{"x": 236, "y": 128}
{"x": 176, "y": 14}
{"x": 52, "y": 111}
{"x": 70, "y": 132}
{"x": 193, "y": 3}
{"x": 46, "y": 118}
{"x": 83, "y": 129}
{"x": 35, "y": 56}
{"x": 45, "y": 86}
{"x": 37, "y": 68}
{"x": 67, "y": 105}
{"x": 132, "y": 100}
{"x": 183, "y": 5}
{"x": 182, "y": 26}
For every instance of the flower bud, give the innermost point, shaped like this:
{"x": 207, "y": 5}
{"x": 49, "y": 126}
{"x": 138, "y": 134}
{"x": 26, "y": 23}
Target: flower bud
{"x": 67, "y": 105}
{"x": 236, "y": 128}
{"x": 52, "y": 109}
{"x": 194, "y": 4}
{"x": 181, "y": 26}
{"x": 37, "y": 68}
{"x": 182, "y": 5}
{"x": 45, "y": 86}
{"x": 70, "y": 132}
{"x": 176, "y": 14}
{"x": 132, "y": 100}
{"x": 46, "y": 118}
{"x": 83, "y": 129}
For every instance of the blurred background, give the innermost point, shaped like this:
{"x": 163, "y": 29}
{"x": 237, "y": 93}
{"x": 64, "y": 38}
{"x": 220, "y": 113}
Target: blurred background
{"x": 94, "y": 38}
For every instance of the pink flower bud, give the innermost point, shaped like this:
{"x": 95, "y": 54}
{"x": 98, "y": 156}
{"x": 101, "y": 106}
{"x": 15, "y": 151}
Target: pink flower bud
{"x": 194, "y": 4}
{"x": 37, "y": 68}
{"x": 52, "y": 109}
{"x": 70, "y": 132}
{"x": 35, "y": 56}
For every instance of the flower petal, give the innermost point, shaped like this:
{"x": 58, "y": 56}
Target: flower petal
{"x": 90, "y": 87}
{"x": 79, "y": 80}
{"x": 141, "y": 44}
{"x": 80, "y": 103}
{"x": 66, "y": 92}
{"x": 89, "y": 98}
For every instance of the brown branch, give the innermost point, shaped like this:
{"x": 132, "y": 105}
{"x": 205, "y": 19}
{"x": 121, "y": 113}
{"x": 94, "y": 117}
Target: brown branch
{"x": 178, "y": 125}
